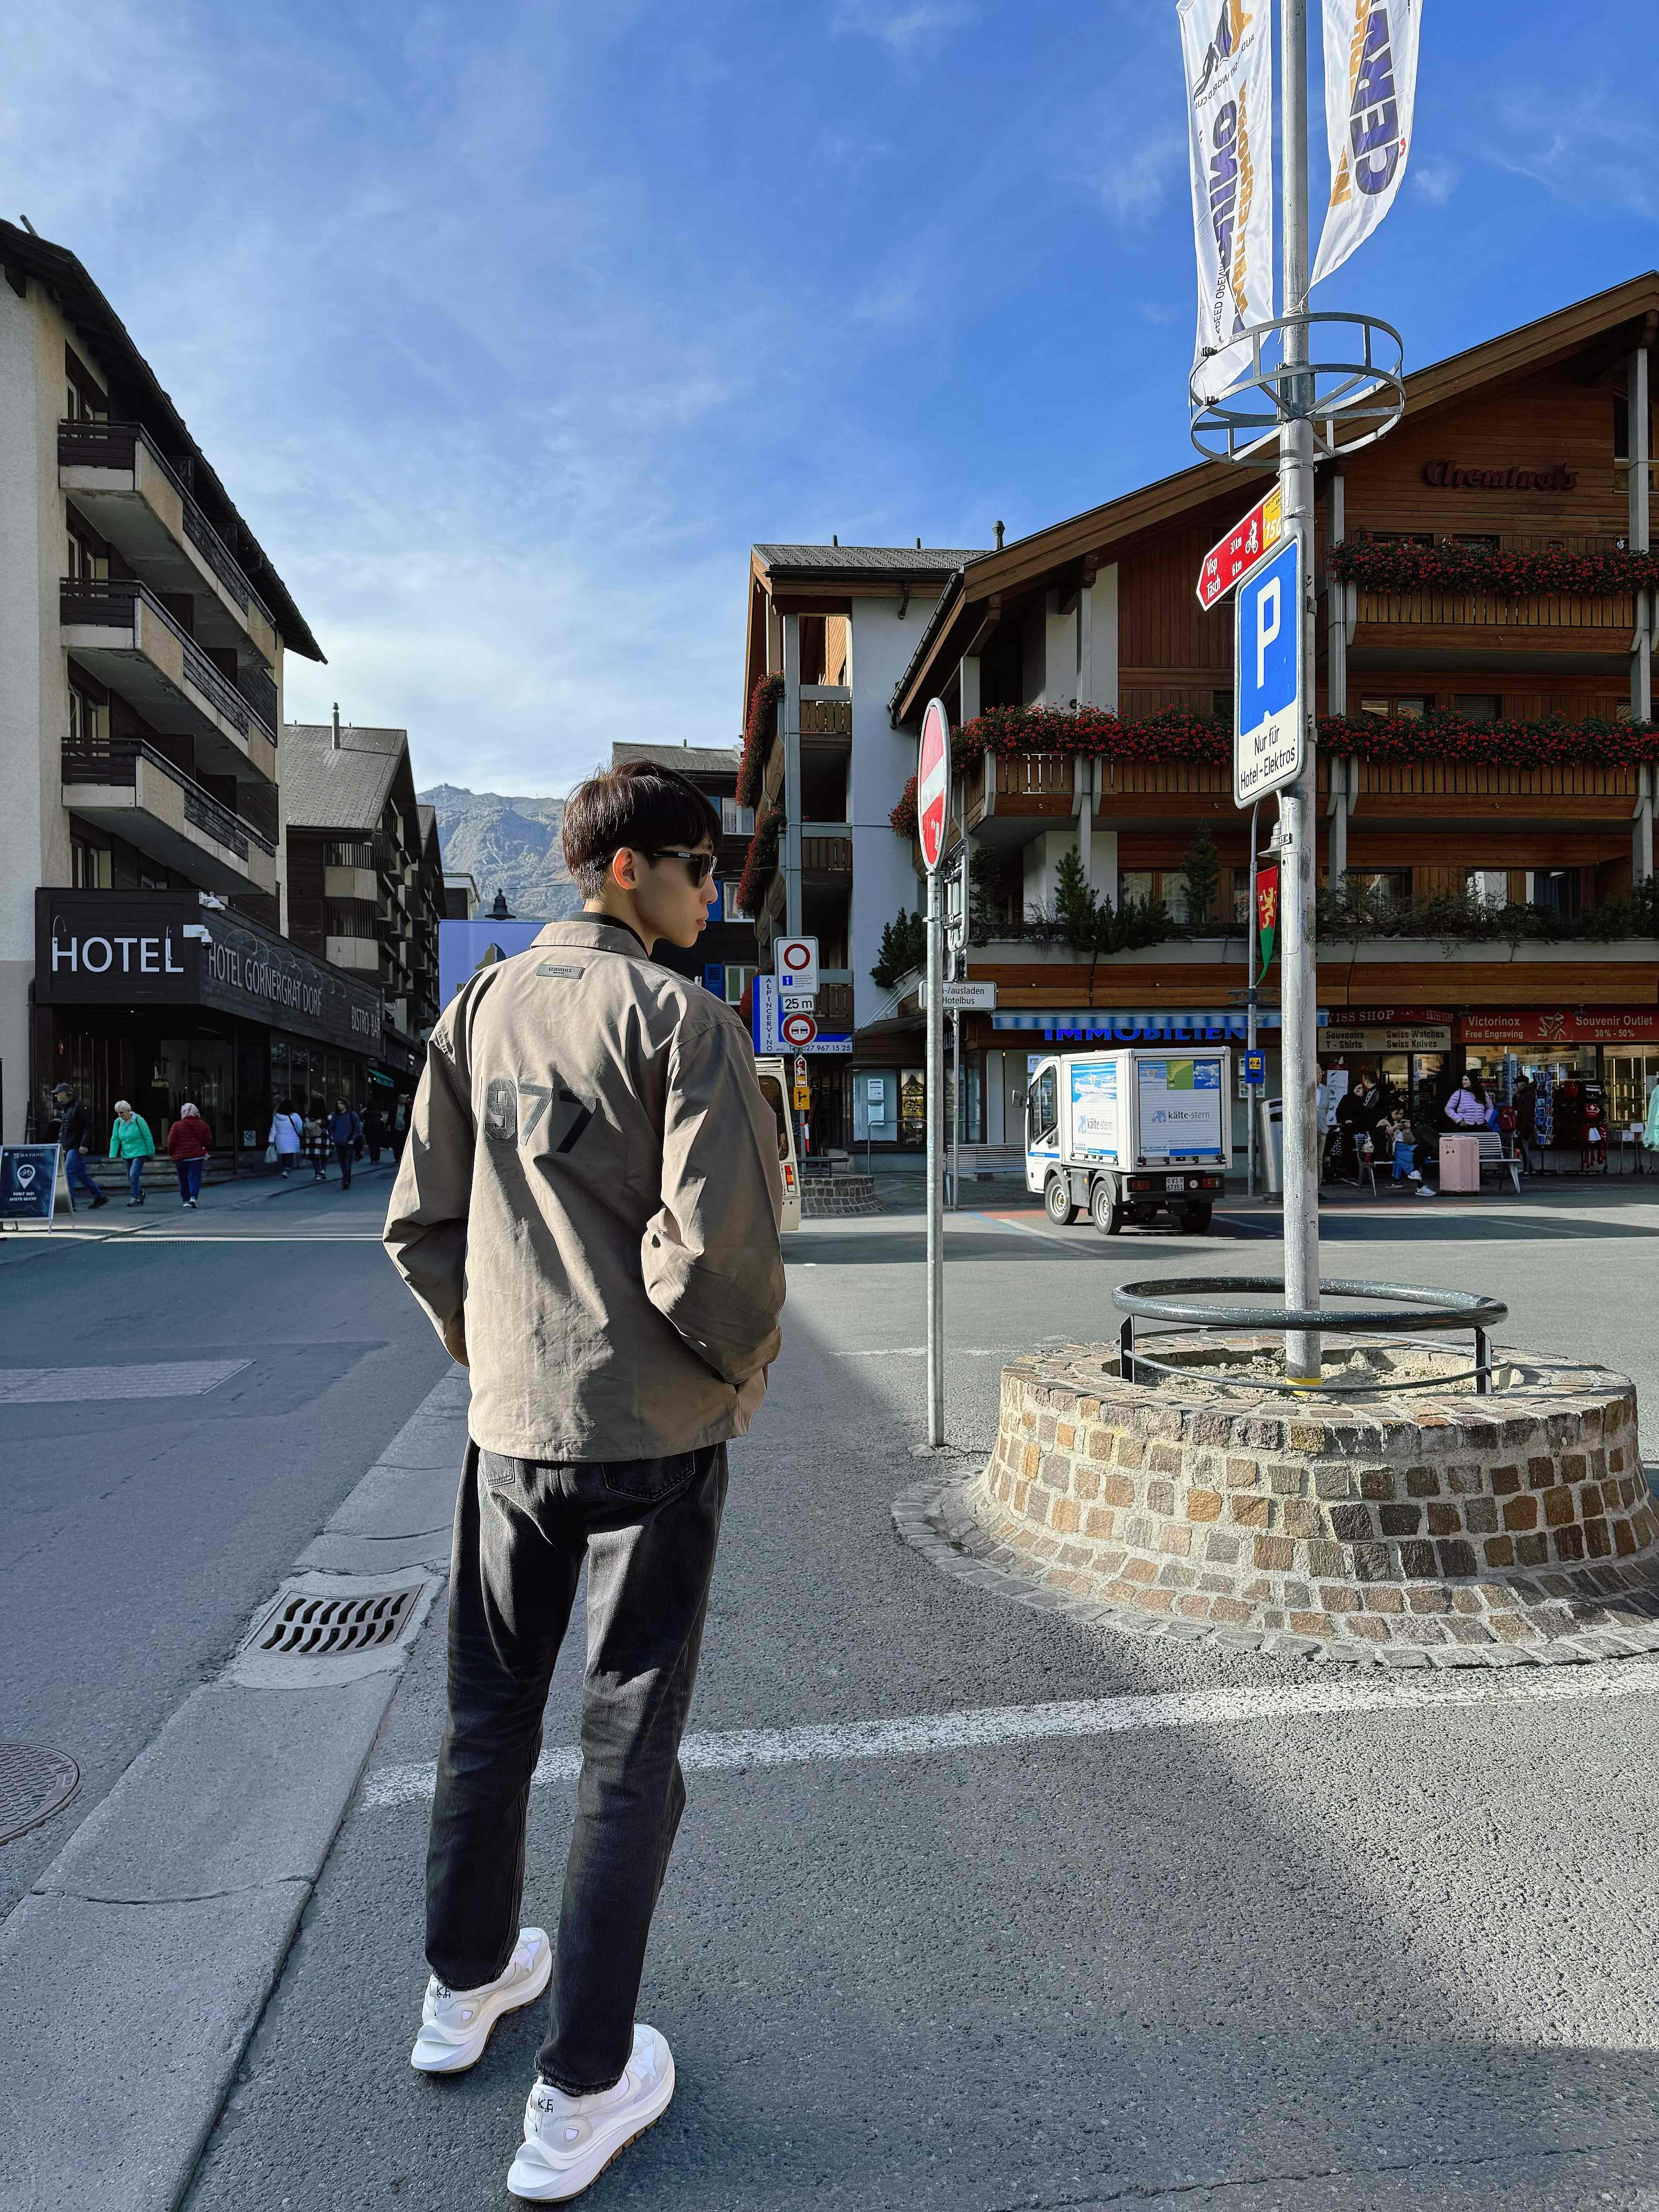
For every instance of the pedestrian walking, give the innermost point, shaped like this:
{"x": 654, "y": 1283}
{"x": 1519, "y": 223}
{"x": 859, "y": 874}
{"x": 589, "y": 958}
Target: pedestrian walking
{"x": 75, "y": 1141}
{"x": 314, "y": 1140}
{"x": 287, "y": 1137}
{"x": 130, "y": 1140}
{"x": 345, "y": 1133}
{"x": 599, "y": 1244}
{"x": 399, "y": 1126}
{"x": 189, "y": 1142}
{"x": 374, "y": 1134}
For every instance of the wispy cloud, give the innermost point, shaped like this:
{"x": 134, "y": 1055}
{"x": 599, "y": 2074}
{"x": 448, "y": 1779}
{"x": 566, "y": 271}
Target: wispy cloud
{"x": 1433, "y": 181}
{"x": 1586, "y": 144}
{"x": 909, "y": 29}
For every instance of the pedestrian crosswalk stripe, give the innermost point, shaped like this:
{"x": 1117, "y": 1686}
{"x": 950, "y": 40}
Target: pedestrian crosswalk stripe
{"x": 993, "y": 1727}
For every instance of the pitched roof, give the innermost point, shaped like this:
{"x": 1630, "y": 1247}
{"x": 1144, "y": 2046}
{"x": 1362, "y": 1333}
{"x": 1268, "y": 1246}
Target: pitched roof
{"x": 896, "y": 560}
{"x": 323, "y": 789}
{"x": 691, "y": 760}
{"x": 1016, "y": 567}
{"x": 85, "y": 305}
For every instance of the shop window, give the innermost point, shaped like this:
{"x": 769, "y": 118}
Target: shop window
{"x": 1479, "y": 706}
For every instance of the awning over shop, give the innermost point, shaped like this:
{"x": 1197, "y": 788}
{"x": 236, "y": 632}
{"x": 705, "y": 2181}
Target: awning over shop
{"x": 1134, "y": 1025}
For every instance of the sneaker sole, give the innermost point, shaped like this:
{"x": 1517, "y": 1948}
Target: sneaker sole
{"x": 459, "y": 2057}
{"x": 550, "y": 2188}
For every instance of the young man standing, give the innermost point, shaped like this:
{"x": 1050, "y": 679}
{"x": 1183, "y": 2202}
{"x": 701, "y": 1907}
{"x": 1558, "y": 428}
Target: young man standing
{"x": 587, "y": 1208}
{"x": 75, "y": 1136}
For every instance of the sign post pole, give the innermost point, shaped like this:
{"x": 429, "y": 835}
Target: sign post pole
{"x": 933, "y": 796}
{"x": 1249, "y": 1023}
{"x": 1298, "y": 803}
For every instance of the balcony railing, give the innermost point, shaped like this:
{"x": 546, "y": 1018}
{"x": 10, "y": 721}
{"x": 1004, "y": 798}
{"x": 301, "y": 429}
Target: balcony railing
{"x": 108, "y": 602}
{"x": 86, "y": 444}
{"x": 115, "y": 761}
{"x": 1495, "y": 610}
{"x": 256, "y": 688}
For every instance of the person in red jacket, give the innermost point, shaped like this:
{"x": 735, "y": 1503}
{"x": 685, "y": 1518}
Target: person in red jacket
{"x": 189, "y": 1142}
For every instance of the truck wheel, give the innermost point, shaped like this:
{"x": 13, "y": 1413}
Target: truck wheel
{"x": 1057, "y": 1202}
{"x": 1195, "y": 1219}
{"x": 1106, "y": 1206}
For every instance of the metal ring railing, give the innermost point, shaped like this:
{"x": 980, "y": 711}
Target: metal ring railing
{"x": 1399, "y": 1309}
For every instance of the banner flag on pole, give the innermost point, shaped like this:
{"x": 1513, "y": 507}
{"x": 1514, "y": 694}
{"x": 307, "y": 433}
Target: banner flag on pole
{"x": 1370, "y": 103}
{"x": 1227, "y": 47}
{"x": 1267, "y": 915}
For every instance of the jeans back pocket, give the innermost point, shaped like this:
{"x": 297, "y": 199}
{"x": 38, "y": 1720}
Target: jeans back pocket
{"x": 643, "y": 1481}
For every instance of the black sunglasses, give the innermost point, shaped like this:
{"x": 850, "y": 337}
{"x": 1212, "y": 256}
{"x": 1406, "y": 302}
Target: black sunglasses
{"x": 701, "y": 864}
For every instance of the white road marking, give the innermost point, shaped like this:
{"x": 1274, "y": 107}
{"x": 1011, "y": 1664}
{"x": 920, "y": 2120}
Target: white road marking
{"x": 162, "y": 1378}
{"x": 919, "y": 1351}
{"x": 991, "y": 1727}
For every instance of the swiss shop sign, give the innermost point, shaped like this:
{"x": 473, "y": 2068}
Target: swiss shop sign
{"x": 166, "y": 949}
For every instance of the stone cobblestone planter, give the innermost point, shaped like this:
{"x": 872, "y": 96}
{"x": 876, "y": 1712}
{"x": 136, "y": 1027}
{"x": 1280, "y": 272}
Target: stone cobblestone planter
{"x": 824, "y": 1198}
{"x": 1430, "y": 1525}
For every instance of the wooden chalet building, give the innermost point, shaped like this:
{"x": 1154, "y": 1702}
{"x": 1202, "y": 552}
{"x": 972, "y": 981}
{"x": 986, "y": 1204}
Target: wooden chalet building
{"x": 1487, "y": 748}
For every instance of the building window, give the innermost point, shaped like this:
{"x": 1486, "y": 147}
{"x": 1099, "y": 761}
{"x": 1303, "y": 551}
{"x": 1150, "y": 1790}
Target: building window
{"x": 1399, "y": 537}
{"x": 1480, "y": 543}
{"x": 738, "y": 980}
{"x": 1408, "y": 706}
{"x": 731, "y": 908}
{"x": 1488, "y": 887}
{"x": 736, "y": 821}
{"x": 1479, "y": 706}
{"x": 1380, "y": 886}
{"x": 83, "y": 717}
{"x": 1221, "y": 705}
{"x": 1555, "y": 890}
{"x": 89, "y": 865}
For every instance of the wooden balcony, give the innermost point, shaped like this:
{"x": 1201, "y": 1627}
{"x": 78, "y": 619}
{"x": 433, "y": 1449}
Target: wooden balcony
{"x": 132, "y": 790}
{"x": 1484, "y": 629}
{"x": 1023, "y": 793}
{"x": 826, "y": 857}
{"x": 1436, "y": 794}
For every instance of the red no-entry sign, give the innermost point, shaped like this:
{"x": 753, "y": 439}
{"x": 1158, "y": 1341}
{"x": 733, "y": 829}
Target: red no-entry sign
{"x": 933, "y": 782}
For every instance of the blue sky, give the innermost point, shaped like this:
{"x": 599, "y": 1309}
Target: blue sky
{"x": 510, "y": 329}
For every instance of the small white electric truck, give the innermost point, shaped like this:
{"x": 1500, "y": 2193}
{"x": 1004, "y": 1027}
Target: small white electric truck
{"x": 1125, "y": 1134}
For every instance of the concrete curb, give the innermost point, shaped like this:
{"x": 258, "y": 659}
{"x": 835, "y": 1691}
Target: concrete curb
{"x": 137, "y": 1968}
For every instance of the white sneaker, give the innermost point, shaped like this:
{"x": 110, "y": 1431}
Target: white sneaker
{"x": 569, "y": 2141}
{"x": 455, "y": 2024}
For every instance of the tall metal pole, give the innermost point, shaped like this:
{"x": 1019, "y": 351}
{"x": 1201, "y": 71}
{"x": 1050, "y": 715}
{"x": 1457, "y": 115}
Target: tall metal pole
{"x": 935, "y": 1106}
{"x": 1250, "y": 940}
{"x": 1298, "y": 803}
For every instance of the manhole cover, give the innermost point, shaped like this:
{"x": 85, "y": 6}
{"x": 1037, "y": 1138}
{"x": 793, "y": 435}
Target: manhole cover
{"x": 308, "y": 1626}
{"x": 34, "y": 1783}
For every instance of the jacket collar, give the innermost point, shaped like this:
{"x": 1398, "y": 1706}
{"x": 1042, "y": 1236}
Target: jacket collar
{"x": 600, "y": 933}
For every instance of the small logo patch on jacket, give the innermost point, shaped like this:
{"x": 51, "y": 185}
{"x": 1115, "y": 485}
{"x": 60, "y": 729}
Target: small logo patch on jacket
{"x": 552, "y": 968}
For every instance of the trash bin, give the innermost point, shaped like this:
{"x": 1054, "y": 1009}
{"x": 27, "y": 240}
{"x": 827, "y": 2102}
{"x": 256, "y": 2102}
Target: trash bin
{"x": 1270, "y": 1133}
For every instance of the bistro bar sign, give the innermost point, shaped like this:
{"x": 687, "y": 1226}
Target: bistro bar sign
{"x": 165, "y": 948}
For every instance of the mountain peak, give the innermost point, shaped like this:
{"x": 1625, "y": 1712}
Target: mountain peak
{"x": 509, "y": 843}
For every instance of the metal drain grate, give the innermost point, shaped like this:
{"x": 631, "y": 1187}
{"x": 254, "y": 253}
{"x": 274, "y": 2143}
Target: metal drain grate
{"x": 34, "y": 1783}
{"x": 312, "y": 1628}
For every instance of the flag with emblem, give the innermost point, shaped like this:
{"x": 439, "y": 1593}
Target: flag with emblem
{"x": 1267, "y": 915}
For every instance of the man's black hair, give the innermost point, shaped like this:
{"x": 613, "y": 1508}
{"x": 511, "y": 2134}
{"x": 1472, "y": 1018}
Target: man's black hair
{"x": 643, "y": 804}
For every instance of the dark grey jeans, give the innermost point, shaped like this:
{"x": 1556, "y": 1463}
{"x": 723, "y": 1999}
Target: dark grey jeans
{"x": 648, "y": 1530}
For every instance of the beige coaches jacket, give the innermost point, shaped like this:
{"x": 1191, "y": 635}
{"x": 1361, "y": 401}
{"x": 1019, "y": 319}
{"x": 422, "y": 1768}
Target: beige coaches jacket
{"x": 588, "y": 1200}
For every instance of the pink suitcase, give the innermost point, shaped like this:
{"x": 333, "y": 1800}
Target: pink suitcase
{"x": 1460, "y": 1164}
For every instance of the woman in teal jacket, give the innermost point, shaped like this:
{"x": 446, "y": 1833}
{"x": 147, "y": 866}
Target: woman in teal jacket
{"x": 129, "y": 1140}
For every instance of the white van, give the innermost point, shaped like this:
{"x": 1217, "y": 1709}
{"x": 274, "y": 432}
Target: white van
{"x": 1123, "y": 1135}
{"x": 774, "y": 1076}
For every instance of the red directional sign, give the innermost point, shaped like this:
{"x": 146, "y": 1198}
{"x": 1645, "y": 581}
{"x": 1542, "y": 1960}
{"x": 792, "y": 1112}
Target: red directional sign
{"x": 1231, "y": 560}
{"x": 933, "y": 782}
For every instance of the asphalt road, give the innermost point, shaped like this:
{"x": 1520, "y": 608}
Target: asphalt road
{"x": 1387, "y": 1958}
{"x": 138, "y": 1533}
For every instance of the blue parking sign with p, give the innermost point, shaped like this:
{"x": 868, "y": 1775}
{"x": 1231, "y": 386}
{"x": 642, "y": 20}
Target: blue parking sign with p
{"x": 1269, "y": 719}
